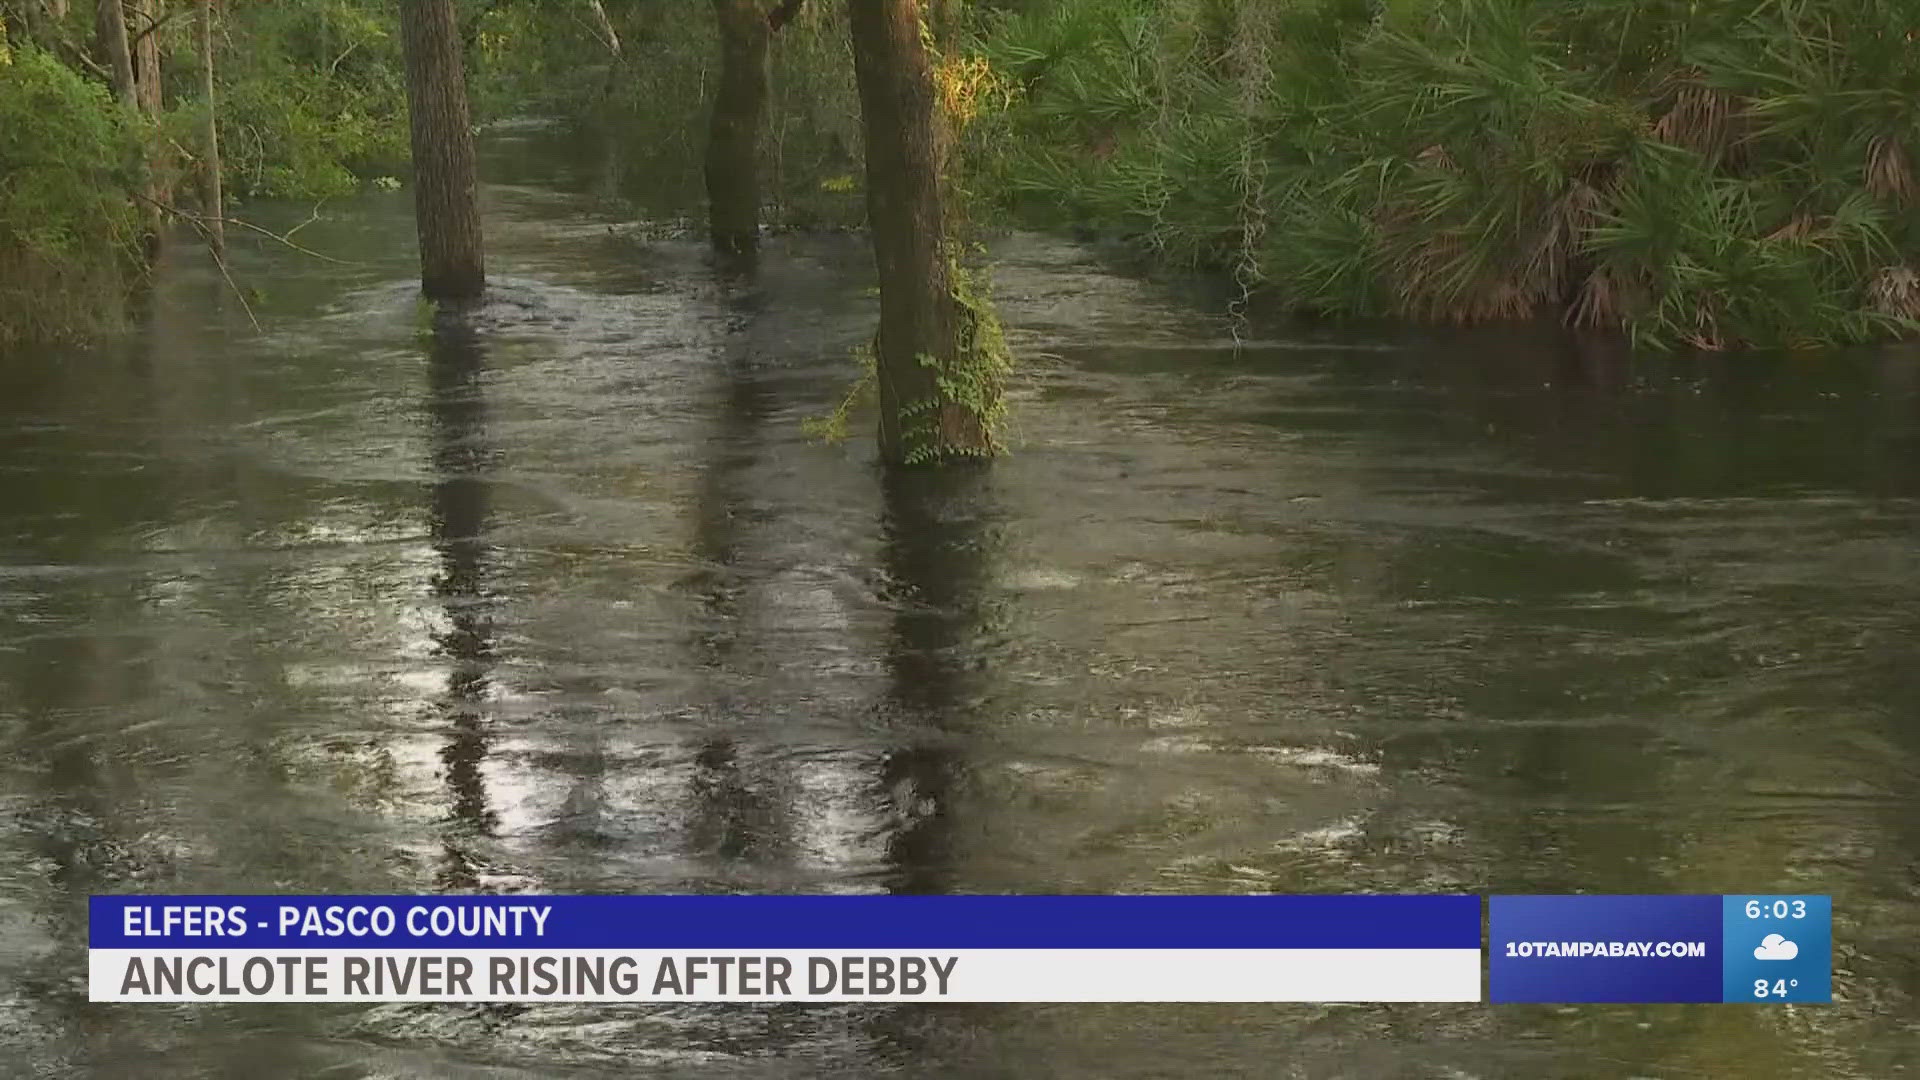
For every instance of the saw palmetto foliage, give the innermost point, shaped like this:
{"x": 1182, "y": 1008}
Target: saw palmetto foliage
{"x": 1690, "y": 171}
{"x": 1693, "y": 172}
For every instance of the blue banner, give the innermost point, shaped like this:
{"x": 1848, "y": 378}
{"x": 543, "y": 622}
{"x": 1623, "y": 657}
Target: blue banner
{"x": 785, "y": 922}
{"x": 1569, "y": 949}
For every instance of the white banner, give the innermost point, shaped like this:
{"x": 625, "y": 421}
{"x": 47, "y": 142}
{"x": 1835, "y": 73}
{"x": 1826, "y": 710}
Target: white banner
{"x": 977, "y": 975}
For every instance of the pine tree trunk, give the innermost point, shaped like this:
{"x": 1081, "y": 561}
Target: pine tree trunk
{"x": 920, "y": 318}
{"x": 146, "y": 57}
{"x": 210, "y": 200}
{"x": 445, "y": 188}
{"x": 733, "y": 142}
{"x": 110, "y": 21}
{"x": 111, "y": 24}
{"x": 146, "y": 89}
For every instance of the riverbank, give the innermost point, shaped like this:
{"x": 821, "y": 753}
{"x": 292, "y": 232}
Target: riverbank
{"x": 1691, "y": 176}
{"x": 1688, "y": 176}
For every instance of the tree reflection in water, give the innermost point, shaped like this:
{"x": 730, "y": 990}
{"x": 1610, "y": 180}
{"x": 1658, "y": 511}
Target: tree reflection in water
{"x": 458, "y": 505}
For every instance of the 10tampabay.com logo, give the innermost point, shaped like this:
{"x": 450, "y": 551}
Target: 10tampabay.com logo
{"x": 1660, "y": 948}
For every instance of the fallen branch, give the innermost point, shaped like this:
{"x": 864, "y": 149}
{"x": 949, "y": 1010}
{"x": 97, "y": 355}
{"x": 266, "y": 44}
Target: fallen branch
{"x": 604, "y": 30}
{"x": 335, "y": 66}
{"x": 249, "y": 226}
{"x": 312, "y": 216}
{"x": 219, "y": 260}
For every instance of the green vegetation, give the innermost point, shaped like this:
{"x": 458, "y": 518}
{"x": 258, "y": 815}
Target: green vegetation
{"x": 973, "y": 382}
{"x": 1707, "y": 174}
{"x": 313, "y": 96}
{"x": 69, "y": 236}
{"x": 310, "y": 103}
{"x": 647, "y": 101}
{"x": 1694, "y": 174}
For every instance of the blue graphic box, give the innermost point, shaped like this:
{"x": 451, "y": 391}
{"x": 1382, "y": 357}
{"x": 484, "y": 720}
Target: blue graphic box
{"x": 1778, "y": 948}
{"x": 1659, "y": 948}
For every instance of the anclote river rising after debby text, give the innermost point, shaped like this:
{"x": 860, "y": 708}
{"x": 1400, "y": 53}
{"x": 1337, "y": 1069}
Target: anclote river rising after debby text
{"x": 559, "y": 597}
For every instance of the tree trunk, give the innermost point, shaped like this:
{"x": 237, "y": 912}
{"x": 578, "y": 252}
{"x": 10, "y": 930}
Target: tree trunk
{"x": 445, "y": 189}
{"x": 111, "y": 23}
{"x": 146, "y": 89}
{"x": 609, "y": 37}
{"x": 210, "y": 200}
{"x": 733, "y": 142}
{"x": 146, "y": 57}
{"x": 920, "y": 345}
{"x": 110, "y": 20}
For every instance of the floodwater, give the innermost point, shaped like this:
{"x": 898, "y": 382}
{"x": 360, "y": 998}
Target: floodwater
{"x": 560, "y": 597}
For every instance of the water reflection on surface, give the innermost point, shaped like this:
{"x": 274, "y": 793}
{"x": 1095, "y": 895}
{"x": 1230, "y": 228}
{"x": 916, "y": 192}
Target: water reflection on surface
{"x": 456, "y": 423}
{"x": 554, "y": 594}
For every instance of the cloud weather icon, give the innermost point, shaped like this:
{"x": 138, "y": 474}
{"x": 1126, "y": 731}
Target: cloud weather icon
{"x": 1775, "y": 947}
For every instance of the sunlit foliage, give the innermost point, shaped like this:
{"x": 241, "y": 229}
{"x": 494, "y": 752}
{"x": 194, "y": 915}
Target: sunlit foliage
{"x": 1694, "y": 173}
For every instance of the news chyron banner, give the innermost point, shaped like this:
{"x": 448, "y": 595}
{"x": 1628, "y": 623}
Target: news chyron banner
{"x": 785, "y": 948}
{"x": 1563, "y": 949}
{"x": 1573, "y": 949}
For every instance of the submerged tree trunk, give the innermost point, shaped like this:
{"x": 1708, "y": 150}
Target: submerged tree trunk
{"x": 937, "y": 390}
{"x": 733, "y": 142}
{"x": 210, "y": 200}
{"x": 445, "y": 189}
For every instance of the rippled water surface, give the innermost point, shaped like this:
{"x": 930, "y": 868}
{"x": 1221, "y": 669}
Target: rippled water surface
{"x": 561, "y": 598}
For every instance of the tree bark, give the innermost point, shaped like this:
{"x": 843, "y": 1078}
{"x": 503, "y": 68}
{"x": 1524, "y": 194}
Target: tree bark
{"x": 210, "y": 200}
{"x": 146, "y": 89}
{"x": 920, "y": 317}
{"x": 733, "y": 142}
{"x": 111, "y": 23}
{"x": 445, "y": 188}
{"x": 146, "y": 57}
{"x": 608, "y": 35}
